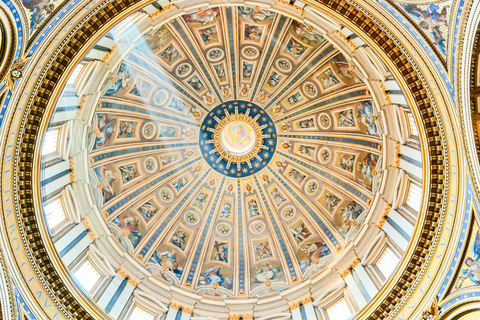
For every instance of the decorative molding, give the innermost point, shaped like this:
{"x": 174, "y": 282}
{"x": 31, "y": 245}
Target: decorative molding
{"x": 134, "y": 283}
{"x": 384, "y": 218}
{"x": 168, "y": 7}
{"x": 109, "y": 53}
{"x": 345, "y": 272}
{"x": 15, "y": 72}
{"x": 174, "y": 305}
{"x": 288, "y": 4}
{"x": 294, "y": 305}
{"x": 398, "y": 155}
{"x": 433, "y": 312}
{"x": 92, "y": 236}
{"x": 187, "y": 310}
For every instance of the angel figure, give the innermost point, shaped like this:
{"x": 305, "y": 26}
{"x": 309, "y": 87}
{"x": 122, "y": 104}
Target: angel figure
{"x": 473, "y": 263}
{"x": 430, "y": 19}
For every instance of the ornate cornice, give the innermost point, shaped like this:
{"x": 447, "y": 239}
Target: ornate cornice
{"x": 244, "y": 316}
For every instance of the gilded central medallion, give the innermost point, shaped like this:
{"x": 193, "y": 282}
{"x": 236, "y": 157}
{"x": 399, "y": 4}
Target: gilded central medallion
{"x": 238, "y": 138}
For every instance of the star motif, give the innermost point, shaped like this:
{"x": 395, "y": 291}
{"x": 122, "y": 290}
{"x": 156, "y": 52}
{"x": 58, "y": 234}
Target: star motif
{"x": 266, "y": 155}
{"x": 205, "y": 148}
{"x": 211, "y": 158}
{"x": 205, "y": 135}
{"x": 264, "y": 119}
{"x": 209, "y": 121}
{"x": 244, "y": 170}
{"x": 270, "y": 142}
{"x": 232, "y": 171}
{"x": 270, "y": 130}
{"x": 256, "y": 164}
{"x": 221, "y": 166}
{"x": 254, "y": 110}
{"x": 219, "y": 111}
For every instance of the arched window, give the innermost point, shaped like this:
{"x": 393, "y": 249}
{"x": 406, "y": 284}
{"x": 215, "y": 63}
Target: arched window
{"x": 387, "y": 262}
{"x": 140, "y": 314}
{"x": 414, "y": 198}
{"x": 339, "y": 310}
{"x": 54, "y": 213}
{"x": 87, "y": 275}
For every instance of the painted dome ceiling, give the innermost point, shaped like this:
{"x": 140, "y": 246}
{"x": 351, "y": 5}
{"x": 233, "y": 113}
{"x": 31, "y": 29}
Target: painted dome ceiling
{"x": 231, "y": 151}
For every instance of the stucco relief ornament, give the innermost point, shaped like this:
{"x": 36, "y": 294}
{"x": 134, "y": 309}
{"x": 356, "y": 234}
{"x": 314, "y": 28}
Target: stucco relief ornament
{"x": 244, "y": 90}
{"x": 266, "y": 179}
{"x": 262, "y": 97}
{"x": 433, "y": 312}
{"x": 278, "y": 110}
{"x": 208, "y": 99}
{"x": 226, "y": 91}
{"x": 15, "y": 73}
{"x": 280, "y": 164}
{"x": 285, "y": 127}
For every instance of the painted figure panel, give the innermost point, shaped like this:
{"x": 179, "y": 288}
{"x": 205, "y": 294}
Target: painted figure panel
{"x": 300, "y": 231}
{"x": 253, "y": 208}
{"x": 314, "y": 254}
{"x": 170, "y": 257}
{"x": 128, "y": 172}
{"x": 220, "y": 251}
{"x": 262, "y": 249}
{"x": 131, "y": 227}
{"x": 180, "y": 237}
{"x": 219, "y": 274}
{"x": 149, "y": 209}
{"x": 226, "y": 208}
{"x": 268, "y": 271}
{"x": 121, "y": 81}
{"x": 366, "y": 167}
{"x": 256, "y": 15}
{"x": 202, "y": 17}
{"x": 329, "y": 201}
{"x": 295, "y": 49}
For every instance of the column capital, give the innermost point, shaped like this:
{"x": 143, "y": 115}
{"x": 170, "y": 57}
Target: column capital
{"x": 187, "y": 310}
{"x": 244, "y": 316}
{"x": 174, "y": 305}
{"x": 294, "y": 305}
{"x": 345, "y": 272}
{"x": 306, "y": 300}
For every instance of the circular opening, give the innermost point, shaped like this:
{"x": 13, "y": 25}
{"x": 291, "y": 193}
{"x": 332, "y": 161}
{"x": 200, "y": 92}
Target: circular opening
{"x": 238, "y": 138}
